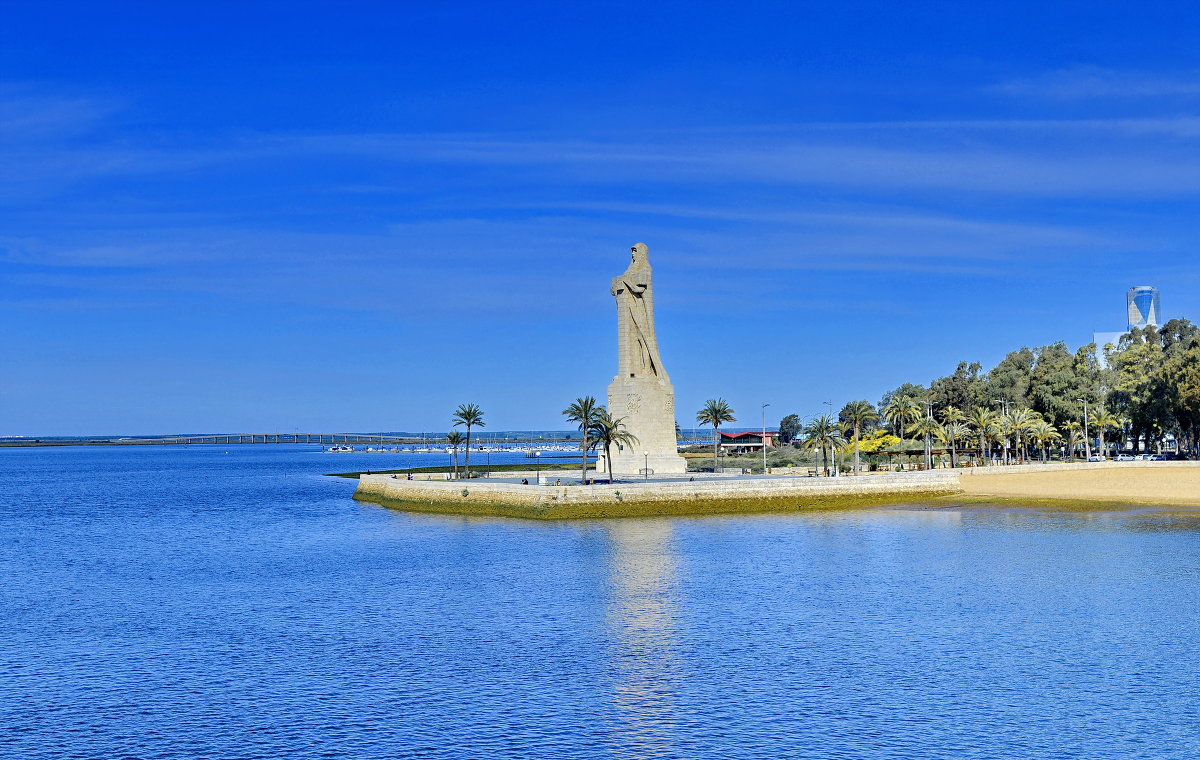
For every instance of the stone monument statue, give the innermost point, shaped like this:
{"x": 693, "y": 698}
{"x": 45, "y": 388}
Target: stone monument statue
{"x": 641, "y": 393}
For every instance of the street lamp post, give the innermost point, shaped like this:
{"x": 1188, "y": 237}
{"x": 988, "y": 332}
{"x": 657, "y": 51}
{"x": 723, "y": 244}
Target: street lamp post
{"x": 832, "y": 451}
{"x": 764, "y": 437}
{"x": 1087, "y": 440}
{"x": 1003, "y": 410}
{"x": 646, "y": 469}
{"x": 928, "y": 444}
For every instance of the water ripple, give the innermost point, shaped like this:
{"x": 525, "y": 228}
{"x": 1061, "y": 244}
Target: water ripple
{"x": 186, "y": 603}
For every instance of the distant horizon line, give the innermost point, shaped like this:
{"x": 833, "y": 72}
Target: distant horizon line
{"x": 486, "y": 434}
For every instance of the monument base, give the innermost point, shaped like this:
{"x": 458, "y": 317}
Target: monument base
{"x": 636, "y": 464}
{"x": 647, "y": 407}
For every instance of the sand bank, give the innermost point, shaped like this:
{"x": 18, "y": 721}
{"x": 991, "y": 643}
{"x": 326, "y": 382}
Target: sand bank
{"x": 1166, "y": 483}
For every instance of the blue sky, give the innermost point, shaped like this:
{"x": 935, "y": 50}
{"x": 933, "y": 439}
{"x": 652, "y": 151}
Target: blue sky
{"x": 356, "y": 216}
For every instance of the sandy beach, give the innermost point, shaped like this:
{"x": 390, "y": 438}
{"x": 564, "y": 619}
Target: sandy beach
{"x": 1163, "y": 484}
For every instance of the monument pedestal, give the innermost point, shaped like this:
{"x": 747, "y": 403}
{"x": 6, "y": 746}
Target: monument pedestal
{"x": 647, "y": 405}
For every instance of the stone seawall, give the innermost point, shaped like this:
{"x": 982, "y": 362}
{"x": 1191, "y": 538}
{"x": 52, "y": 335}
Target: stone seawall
{"x": 654, "y": 498}
{"x": 568, "y": 477}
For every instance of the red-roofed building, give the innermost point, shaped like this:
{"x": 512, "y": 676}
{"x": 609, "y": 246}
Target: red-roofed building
{"x": 745, "y": 443}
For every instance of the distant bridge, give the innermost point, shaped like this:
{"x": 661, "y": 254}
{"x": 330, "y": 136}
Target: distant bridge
{"x": 232, "y": 438}
{"x": 226, "y": 439}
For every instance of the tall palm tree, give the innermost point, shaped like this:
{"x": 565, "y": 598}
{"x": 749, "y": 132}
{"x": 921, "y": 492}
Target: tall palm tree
{"x": 715, "y": 412}
{"x": 950, "y": 434}
{"x": 1043, "y": 434}
{"x": 823, "y": 432}
{"x": 901, "y": 412}
{"x": 896, "y": 414}
{"x": 1103, "y": 420}
{"x": 471, "y": 416}
{"x": 916, "y": 412}
{"x": 984, "y": 422}
{"x": 1073, "y": 437}
{"x": 455, "y": 439}
{"x": 1018, "y": 421}
{"x": 859, "y": 414}
{"x": 608, "y": 431}
{"x": 953, "y": 414}
{"x": 997, "y": 436}
{"x": 1005, "y": 433}
{"x": 926, "y": 427}
{"x": 583, "y": 413}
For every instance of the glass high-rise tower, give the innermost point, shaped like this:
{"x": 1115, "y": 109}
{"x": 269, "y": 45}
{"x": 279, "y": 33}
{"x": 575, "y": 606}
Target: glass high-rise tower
{"x": 1143, "y": 306}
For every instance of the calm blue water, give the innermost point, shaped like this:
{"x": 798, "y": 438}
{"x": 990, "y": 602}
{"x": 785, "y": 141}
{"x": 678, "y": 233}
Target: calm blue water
{"x": 187, "y": 603}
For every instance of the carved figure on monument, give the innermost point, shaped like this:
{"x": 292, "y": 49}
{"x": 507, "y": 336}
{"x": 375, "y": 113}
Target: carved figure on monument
{"x": 641, "y": 394}
{"x": 635, "y": 318}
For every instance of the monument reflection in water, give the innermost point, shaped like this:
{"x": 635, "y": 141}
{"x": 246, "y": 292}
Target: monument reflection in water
{"x": 644, "y": 645}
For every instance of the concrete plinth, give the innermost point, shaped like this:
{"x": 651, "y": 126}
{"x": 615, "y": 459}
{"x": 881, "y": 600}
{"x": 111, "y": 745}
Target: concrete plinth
{"x": 648, "y": 407}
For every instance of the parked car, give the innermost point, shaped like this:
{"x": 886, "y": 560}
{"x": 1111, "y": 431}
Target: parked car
{"x": 1159, "y": 457}
{"x": 1126, "y": 458}
{"x": 1096, "y": 458}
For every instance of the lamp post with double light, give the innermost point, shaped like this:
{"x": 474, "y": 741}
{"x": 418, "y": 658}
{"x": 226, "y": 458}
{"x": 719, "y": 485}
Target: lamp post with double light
{"x": 1003, "y": 411}
{"x": 764, "y": 437}
{"x": 1087, "y": 440}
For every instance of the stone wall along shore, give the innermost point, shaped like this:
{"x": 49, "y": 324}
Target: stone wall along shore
{"x": 677, "y": 496}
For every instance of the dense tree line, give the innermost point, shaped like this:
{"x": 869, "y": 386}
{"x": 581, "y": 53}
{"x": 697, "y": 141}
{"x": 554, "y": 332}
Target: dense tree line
{"x": 1147, "y": 387}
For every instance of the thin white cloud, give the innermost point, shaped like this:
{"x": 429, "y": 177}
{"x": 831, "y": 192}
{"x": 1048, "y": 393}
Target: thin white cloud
{"x": 1050, "y": 167}
{"x": 27, "y": 114}
{"x": 524, "y": 261}
{"x": 1092, "y": 83}
{"x": 1117, "y": 158}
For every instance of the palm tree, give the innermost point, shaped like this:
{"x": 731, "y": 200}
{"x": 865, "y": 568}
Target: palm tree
{"x": 950, "y": 434}
{"x": 859, "y": 414}
{"x": 715, "y": 412}
{"x": 607, "y": 431}
{"x": 953, "y": 414}
{"x": 1103, "y": 420}
{"x": 471, "y": 416}
{"x": 1043, "y": 433}
{"x": 984, "y": 422}
{"x": 950, "y": 416}
{"x": 822, "y": 432}
{"x": 901, "y": 412}
{"x": 896, "y": 413}
{"x": 455, "y": 439}
{"x": 998, "y": 437}
{"x": 926, "y": 427}
{"x": 1074, "y": 437}
{"x": 583, "y": 413}
{"x": 1018, "y": 421}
